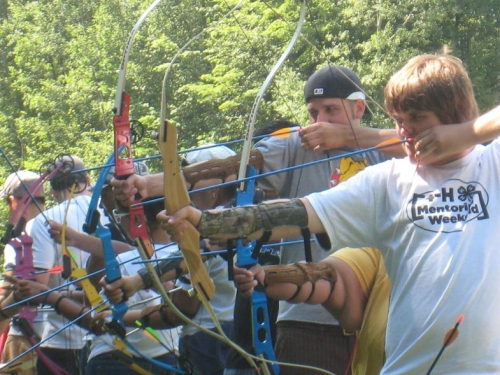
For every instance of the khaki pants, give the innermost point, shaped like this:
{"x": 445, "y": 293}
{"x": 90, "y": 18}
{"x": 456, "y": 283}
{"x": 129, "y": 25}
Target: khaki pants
{"x": 14, "y": 346}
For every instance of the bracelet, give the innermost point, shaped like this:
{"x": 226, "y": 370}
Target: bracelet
{"x": 46, "y": 297}
{"x": 146, "y": 277}
{"x": 56, "y": 305}
{"x": 80, "y": 313}
{"x": 313, "y": 288}
{"x": 299, "y": 288}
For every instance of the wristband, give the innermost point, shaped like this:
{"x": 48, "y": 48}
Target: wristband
{"x": 146, "y": 277}
{"x": 81, "y": 312}
{"x": 56, "y": 305}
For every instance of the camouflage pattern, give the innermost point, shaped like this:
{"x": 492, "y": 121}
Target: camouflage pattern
{"x": 240, "y": 222}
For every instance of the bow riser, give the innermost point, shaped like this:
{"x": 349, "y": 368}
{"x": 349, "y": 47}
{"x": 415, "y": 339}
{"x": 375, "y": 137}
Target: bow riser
{"x": 177, "y": 197}
{"x": 124, "y": 167}
{"x": 124, "y": 162}
{"x": 246, "y": 257}
{"x": 24, "y": 269}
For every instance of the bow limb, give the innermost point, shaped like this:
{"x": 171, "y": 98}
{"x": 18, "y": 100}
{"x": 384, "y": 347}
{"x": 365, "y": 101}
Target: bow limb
{"x": 113, "y": 273}
{"x": 116, "y": 325}
{"x": 124, "y": 162}
{"x": 163, "y": 109}
{"x": 71, "y": 269}
{"x": 123, "y": 67}
{"x": 247, "y": 253}
{"x": 93, "y": 215}
{"x": 245, "y": 155}
{"x": 176, "y": 197}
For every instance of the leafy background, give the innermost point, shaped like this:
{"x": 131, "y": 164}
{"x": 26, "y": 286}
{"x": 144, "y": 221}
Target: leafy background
{"x": 59, "y": 64}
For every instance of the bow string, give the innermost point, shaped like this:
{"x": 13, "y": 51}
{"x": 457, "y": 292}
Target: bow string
{"x": 124, "y": 167}
{"x": 124, "y": 161}
{"x": 247, "y": 253}
{"x": 176, "y": 196}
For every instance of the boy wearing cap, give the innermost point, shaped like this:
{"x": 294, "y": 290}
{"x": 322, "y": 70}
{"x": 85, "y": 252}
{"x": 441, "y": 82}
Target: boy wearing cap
{"x": 308, "y": 334}
{"x": 338, "y": 82}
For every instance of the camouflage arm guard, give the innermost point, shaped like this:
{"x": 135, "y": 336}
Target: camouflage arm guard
{"x": 299, "y": 273}
{"x": 242, "y": 221}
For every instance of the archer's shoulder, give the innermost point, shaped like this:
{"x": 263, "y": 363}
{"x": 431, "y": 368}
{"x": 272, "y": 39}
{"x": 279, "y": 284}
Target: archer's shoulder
{"x": 280, "y": 138}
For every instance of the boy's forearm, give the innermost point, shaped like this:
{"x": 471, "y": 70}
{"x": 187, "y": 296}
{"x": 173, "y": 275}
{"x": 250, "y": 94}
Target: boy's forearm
{"x": 154, "y": 184}
{"x": 93, "y": 245}
{"x": 130, "y": 317}
{"x": 487, "y": 126}
{"x": 366, "y": 137}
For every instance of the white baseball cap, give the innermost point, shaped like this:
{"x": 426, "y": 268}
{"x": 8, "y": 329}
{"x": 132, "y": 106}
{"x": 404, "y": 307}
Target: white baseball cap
{"x": 17, "y": 183}
{"x": 208, "y": 152}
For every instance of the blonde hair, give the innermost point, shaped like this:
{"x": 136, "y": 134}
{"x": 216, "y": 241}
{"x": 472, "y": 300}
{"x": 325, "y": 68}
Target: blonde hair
{"x": 437, "y": 83}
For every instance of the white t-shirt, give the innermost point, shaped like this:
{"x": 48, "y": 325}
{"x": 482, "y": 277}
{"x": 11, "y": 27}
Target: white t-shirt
{"x": 438, "y": 229}
{"x": 222, "y": 301}
{"x": 147, "y": 346}
{"x": 47, "y": 254}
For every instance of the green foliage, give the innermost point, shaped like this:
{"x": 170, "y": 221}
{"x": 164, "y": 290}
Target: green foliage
{"x": 60, "y": 58}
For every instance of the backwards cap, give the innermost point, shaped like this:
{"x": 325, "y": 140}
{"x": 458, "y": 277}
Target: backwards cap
{"x": 334, "y": 81}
